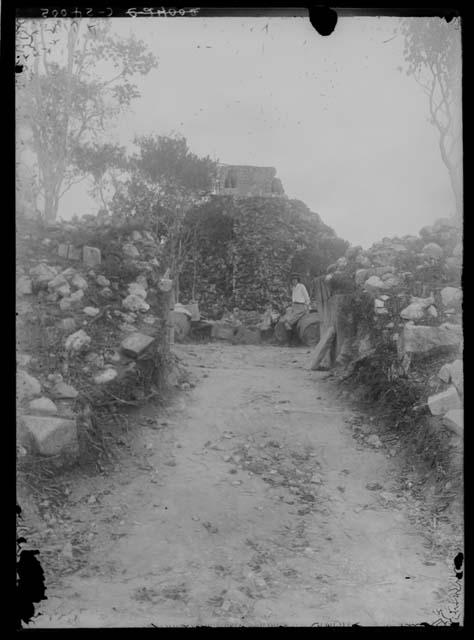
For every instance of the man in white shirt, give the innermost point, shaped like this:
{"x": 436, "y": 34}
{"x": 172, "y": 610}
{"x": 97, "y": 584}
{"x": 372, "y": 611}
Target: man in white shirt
{"x": 300, "y": 302}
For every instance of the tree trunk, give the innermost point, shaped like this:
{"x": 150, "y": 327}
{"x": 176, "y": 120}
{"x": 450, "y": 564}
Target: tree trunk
{"x": 51, "y": 203}
{"x": 455, "y": 176}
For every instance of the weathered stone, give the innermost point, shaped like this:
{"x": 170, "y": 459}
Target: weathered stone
{"x": 414, "y": 311}
{"x": 374, "y": 283}
{"x": 363, "y": 261}
{"x": 43, "y": 406}
{"x": 65, "y": 304}
{"x": 106, "y": 292}
{"x": 69, "y": 273}
{"x": 128, "y": 317}
{"x": 135, "y": 289}
{"x": 391, "y": 282}
{"x": 91, "y": 256}
{"x": 222, "y": 331}
{"x": 453, "y": 263}
{"x": 64, "y": 290}
{"x": 79, "y": 282}
{"x": 148, "y": 236}
{"x": 247, "y": 336}
{"x": 74, "y": 253}
{"x": 433, "y": 250}
{"x": 64, "y": 391}
{"x": 91, "y": 311}
{"x": 43, "y": 273}
{"x": 76, "y": 296}
{"x": 444, "y": 373}
{"x": 136, "y": 344}
{"x": 424, "y": 302}
{"x": 135, "y": 303}
{"x": 383, "y": 271}
{"x": 432, "y": 311}
{"x": 27, "y": 386}
{"x": 52, "y": 297}
{"x": 55, "y": 377}
{"x": 105, "y": 376}
{"x": 77, "y": 341}
{"x": 112, "y": 356}
{"x": 451, "y": 296}
{"x": 102, "y": 281}
{"x": 95, "y": 359}
{"x": 63, "y": 250}
{"x": 421, "y": 339}
{"x": 130, "y": 250}
{"x": 57, "y": 282}
{"x": 126, "y": 327}
{"x": 51, "y": 436}
{"x": 443, "y": 402}
{"x": 23, "y": 359}
{"x": 142, "y": 281}
{"x": 454, "y": 420}
{"x": 24, "y": 286}
{"x": 457, "y": 375}
{"x": 361, "y": 275}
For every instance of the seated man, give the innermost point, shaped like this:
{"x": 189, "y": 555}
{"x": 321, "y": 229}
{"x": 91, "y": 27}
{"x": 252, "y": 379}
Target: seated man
{"x": 300, "y": 302}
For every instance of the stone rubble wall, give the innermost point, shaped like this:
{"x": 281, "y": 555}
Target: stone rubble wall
{"x": 89, "y": 327}
{"x": 411, "y": 289}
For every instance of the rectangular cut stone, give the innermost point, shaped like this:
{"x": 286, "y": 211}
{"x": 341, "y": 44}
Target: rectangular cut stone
{"x": 445, "y": 401}
{"x": 247, "y": 336}
{"x": 454, "y": 420}
{"x": 222, "y": 331}
{"x": 74, "y": 253}
{"x": 421, "y": 339}
{"x": 91, "y": 256}
{"x": 136, "y": 344}
{"x": 63, "y": 250}
{"x": 51, "y": 436}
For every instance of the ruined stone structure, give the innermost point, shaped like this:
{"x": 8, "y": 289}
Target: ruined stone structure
{"x": 244, "y": 180}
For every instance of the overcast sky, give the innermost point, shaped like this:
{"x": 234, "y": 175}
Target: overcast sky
{"x": 345, "y": 128}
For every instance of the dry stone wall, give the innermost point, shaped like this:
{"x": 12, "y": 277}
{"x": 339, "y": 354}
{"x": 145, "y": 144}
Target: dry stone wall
{"x": 410, "y": 291}
{"x": 90, "y": 329}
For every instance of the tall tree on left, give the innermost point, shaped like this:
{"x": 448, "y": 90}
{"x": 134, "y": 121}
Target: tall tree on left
{"x": 76, "y": 78}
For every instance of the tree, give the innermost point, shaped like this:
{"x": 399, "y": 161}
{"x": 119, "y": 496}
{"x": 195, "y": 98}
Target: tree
{"x": 79, "y": 79}
{"x": 165, "y": 181}
{"x": 433, "y": 53}
{"x": 106, "y": 163}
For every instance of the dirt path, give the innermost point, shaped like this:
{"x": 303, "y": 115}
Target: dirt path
{"x": 252, "y": 509}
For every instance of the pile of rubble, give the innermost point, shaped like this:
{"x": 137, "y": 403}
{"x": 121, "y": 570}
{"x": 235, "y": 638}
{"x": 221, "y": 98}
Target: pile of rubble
{"x": 89, "y": 327}
{"x": 414, "y": 285}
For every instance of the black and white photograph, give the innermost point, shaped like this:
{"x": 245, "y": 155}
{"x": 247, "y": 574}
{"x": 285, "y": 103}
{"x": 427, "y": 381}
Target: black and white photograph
{"x": 239, "y": 325}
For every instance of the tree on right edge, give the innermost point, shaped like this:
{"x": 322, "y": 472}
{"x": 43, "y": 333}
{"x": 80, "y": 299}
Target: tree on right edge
{"x": 433, "y": 53}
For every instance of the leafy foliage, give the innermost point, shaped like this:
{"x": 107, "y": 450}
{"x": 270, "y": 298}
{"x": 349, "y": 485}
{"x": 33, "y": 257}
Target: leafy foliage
{"x": 433, "y": 53}
{"x": 165, "y": 180}
{"x": 79, "y": 78}
{"x": 243, "y": 251}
